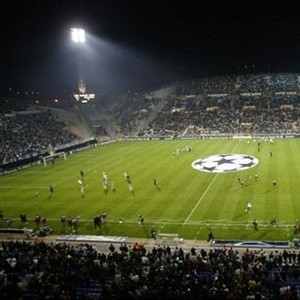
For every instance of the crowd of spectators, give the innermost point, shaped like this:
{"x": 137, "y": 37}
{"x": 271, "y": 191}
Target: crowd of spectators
{"x": 250, "y": 104}
{"x": 26, "y": 134}
{"x": 39, "y": 270}
{"x": 231, "y": 104}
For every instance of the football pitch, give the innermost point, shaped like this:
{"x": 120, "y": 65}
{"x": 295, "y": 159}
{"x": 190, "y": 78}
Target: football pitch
{"x": 185, "y": 200}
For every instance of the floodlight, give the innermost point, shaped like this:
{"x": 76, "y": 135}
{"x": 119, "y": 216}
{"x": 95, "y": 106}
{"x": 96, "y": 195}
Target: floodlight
{"x": 84, "y": 98}
{"x": 78, "y": 35}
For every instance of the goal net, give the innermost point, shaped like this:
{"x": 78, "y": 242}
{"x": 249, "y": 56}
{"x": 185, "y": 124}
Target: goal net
{"x": 50, "y": 159}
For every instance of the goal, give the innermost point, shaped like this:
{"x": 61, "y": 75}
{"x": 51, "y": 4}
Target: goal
{"x": 50, "y": 159}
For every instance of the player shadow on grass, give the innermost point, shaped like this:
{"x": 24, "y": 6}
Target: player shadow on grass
{"x": 240, "y": 215}
{"x": 269, "y": 191}
{"x": 237, "y": 189}
{"x": 103, "y": 229}
{"x": 245, "y": 185}
{"x": 157, "y": 188}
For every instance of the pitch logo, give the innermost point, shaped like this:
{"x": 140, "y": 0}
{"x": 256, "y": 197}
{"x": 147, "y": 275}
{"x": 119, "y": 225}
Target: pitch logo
{"x": 224, "y": 163}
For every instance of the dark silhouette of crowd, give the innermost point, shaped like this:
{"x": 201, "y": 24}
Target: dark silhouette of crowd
{"x": 39, "y": 270}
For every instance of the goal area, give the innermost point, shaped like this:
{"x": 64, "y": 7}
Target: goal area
{"x": 50, "y": 159}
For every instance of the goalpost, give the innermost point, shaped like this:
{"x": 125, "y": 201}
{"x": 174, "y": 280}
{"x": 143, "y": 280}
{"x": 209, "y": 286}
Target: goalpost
{"x": 51, "y": 158}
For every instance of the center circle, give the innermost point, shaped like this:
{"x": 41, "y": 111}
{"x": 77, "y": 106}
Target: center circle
{"x": 225, "y": 163}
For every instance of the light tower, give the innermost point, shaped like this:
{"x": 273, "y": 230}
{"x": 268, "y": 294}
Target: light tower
{"x": 78, "y": 36}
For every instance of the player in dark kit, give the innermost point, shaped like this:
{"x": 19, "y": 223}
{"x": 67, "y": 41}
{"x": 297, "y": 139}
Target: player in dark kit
{"x": 81, "y": 174}
{"x": 51, "y": 189}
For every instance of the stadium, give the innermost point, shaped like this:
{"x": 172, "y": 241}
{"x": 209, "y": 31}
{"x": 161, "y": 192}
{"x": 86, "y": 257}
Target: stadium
{"x": 196, "y": 146}
{"x": 209, "y": 153}
{"x": 187, "y": 188}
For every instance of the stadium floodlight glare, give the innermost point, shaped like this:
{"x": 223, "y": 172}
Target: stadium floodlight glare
{"x": 78, "y": 35}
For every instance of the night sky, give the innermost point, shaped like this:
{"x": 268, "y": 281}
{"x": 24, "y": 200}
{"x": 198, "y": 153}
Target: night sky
{"x": 135, "y": 44}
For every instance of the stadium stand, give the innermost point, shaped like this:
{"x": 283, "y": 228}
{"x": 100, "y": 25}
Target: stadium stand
{"x": 31, "y": 133}
{"x": 244, "y": 104}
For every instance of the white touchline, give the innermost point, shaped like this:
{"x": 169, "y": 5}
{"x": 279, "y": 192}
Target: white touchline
{"x": 205, "y": 192}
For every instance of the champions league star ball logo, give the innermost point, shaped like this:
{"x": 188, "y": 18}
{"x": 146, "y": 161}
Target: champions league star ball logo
{"x": 224, "y": 163}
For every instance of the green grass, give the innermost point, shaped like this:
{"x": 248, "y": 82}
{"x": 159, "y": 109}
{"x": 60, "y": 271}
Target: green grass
{"x": 188, "y": 202}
